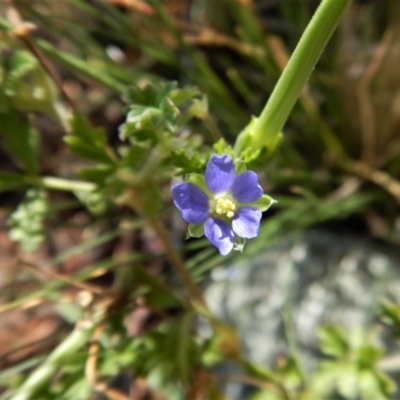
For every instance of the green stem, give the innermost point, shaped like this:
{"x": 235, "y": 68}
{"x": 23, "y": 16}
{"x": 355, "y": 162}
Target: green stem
{"x": 51, "y": 182}
{"x": 286, "y": 92}
{"x": 31, "y": 388}
{"x": 83, "y": 67}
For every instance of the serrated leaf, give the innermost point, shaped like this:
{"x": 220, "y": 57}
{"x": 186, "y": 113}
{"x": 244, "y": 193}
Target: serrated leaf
{"x": 144, "y": 117}
{"x": 151, "y": 95}
{"x": 221, "y": 147}
{"x": 185, "y": 162}
{"x": 87, "y": 142}
{"x": 199, "y": 108}
{"x": 152, "y": 108}
{"x": 181, "y": 95}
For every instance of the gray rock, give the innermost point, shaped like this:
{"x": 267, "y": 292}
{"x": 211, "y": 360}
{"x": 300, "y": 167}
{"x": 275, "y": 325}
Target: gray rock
{"x": 319, "y": 277}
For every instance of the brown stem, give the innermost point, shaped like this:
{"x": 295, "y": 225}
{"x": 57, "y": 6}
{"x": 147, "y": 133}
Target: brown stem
{"x": 91, "y": 362}
{"x": 64, "y": 278}
{"x": 380, "y": 178}
{"x": 133, "y": 200}
{"x": 177, "y": 261}
{"x": 22, "y": 30}
{"x": 369, "y": 134}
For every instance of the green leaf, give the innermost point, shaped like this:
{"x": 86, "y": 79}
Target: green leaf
{"x": 289, "y": 372}
{"x": 373, "y": 386}
{"x": 26, "y": 222}
{"x": 324, "y": 379}
{"x": 186, "y": 162}
{"x": 221, "y": 147}
{"x": 141, "y": 124}
{"x": 264, "y": 203}
{"x": 171, "y": 351}
{"x": 333, "y": 340}
{"x": 199, "y": 108}
{"x": 391, "y": 313}
{"x": 368, "y": 355}
{"x": 10, "y": 181}
{"x": 163, "y": 95}
{"x": 19, "y": 139}
{"x": 355, "y": 371}
{"x": 386, "y": 384}
{"x": 153, "y": 111}
{"x": 98, "y": 174}
{"x": 76, "y": 387}
{"x": 87, "y": 142}
{"x": 151, "y": 95}
{"x": 195, "y": 230}
{"x": 347, "y": 380}
{"x": 181, "y": 95}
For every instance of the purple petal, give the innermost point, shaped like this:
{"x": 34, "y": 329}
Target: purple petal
{"x": 246, "y": 222}
{"x": 192, "y": 202}
{"x": 245, "y": 188}
{"x": 220, "y": 173}
{"x": 219, "y": 234}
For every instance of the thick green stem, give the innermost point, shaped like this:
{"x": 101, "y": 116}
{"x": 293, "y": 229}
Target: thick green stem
{"x": 265, "y": 130}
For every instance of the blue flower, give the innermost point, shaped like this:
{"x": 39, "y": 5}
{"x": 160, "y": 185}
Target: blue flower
{"x": 228, "y": 204}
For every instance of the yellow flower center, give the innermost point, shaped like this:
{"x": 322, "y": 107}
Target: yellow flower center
{"x": 225, "y": 206}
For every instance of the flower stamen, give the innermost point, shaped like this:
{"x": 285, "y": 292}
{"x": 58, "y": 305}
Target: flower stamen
{"x": 225, "y": 206}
